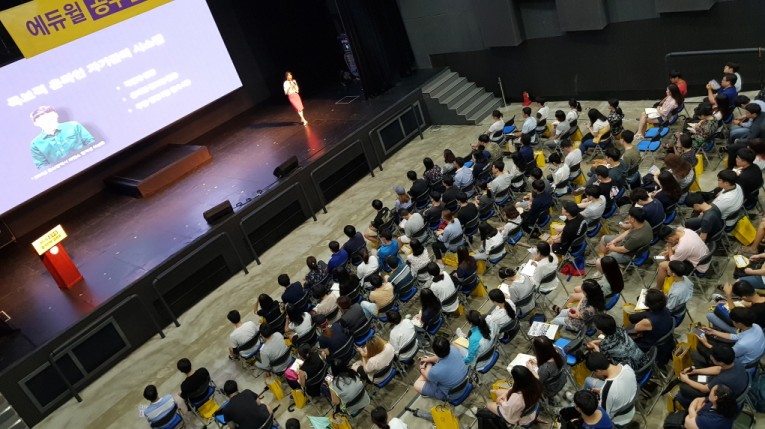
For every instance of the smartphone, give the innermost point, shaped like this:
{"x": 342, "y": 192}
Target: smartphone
{"x": 696, "y": 330}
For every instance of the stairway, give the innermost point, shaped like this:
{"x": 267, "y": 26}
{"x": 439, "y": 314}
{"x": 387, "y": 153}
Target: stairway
{"x": 8, "y": 417}
{"x": 453, "y": 100}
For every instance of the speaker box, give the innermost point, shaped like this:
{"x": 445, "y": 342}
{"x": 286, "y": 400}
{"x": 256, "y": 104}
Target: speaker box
{"x": 286, "y": 167}
{"x": 218, "y": 213}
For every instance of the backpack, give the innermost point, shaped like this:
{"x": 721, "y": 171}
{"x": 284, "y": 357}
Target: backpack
{"x": 757, "y": 393}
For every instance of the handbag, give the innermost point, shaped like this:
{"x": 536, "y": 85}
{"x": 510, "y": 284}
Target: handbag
{"x": 299, "y": 397}
{"x": 479, "y": 291}
{"x": 675, "y": 420}
{"x": 208, "y": 409}
{"x": 581, "y": 372}
{"x": 275, "y": 386}
{"x": 539, "y": 156}
{"x": 744, "y": 231}
{"x": 340, "y": 421}
{"x": 627, "y": 310}
{"x": 499, "y": 385}
{"x": 450, "y": 259}
{"x": 443, "y": 417}
{"x": 668, "y": 284}
{"x": 681, "y": 358}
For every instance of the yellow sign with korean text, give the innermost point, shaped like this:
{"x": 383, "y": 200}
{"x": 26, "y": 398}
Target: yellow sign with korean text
{"x": 49, "y": 239}
{"x": 41, "y": 25}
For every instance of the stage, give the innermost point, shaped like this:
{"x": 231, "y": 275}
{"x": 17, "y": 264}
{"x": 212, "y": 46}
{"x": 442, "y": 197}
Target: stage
{"x": 119, "y": 242}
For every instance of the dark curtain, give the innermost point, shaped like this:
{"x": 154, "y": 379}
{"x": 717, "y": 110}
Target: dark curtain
{"x": 379, "y": 42}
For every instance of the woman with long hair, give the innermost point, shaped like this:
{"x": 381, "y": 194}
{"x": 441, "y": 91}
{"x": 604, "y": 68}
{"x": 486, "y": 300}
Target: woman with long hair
{"x": 292, "y": 91}
{"x": 347, "y": 389}
{"x": 430, "y": 312}
{"x": 466, "y": 266}
{"x": 502, "y": 314}
{"x": 298, "y": 321}
{"x": 376, "y": 355}
{"x": 722, "y": 109}
{"x": 669, "y": 190}
{"x": 671, "y": 101}
{"x": 703, "y": 131}
{"x": 615, "y": 117}
{"x": 546, "y": 262}
{"x": 418, "y": 262}
{"x": 608, "y": 276}
{"x": 548, "y": 365}
{"x": 267, "y": 308}
{"x": 578, "y": 318}
{"x": 518, "y": 406}
{"x": 312, "y": 365}
{"x": 369, "y": 265}
{"x": 448, "y": 168}
{"x": 479, "y": 336}
{"x": 491, "y": 242}
{"x": 598, "y": 124}
{"x": 681, "y": 169}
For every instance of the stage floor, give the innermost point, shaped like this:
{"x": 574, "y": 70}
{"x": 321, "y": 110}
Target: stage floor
{"x": 115, "y": 239}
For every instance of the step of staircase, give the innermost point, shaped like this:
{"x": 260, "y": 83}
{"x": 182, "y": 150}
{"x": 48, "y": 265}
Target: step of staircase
{"x": 9, "y": 419}
{"x": 454, "y": 100}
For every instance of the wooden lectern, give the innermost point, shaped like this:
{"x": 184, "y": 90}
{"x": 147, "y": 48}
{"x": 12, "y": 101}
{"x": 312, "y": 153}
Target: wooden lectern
{"x": 56, "y": 259}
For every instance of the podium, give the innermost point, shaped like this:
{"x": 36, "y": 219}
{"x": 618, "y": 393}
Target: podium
{"x": 56, "y": 259}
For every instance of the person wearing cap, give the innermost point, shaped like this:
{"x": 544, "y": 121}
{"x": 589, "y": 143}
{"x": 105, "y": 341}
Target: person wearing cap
{"x": 573, "y": 227}
{"x": 749, "y": 175}
{"x": 684, "y": 246}
{"x": 56, "y": 141}
{"x": 624, "y": 246}
{"x": 403, "y": 201}
{"x": 709, "y": 219}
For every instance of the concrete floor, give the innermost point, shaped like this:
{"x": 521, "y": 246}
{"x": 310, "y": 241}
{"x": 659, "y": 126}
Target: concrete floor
{"x": 114, "y": 400}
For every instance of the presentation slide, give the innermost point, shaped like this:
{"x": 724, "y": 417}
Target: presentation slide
{"x": 67, "y": 109}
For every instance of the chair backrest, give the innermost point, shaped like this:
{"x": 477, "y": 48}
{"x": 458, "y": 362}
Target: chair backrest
{"x": 303, "y": 302}
{"x": 525, "y": 300}
{"x": 318, "y": 378}
{"x": 459, "y": 388}
{"x": 548, "y": 278}
{"x": 281, "y": 359}
{"x": 470, "y": 281}
{"x": 385, "y": 371}
{"x": 706, "y": 259}
{"x": 497, "y": 136}
{"x": 356, "y": 292}
{"x": 451, "y": 299}
{"x": 363, "y": 330}
{"x": 408, "y": 347}
{"x": 643, "y": 373}
{"x": 167, "y": 418}
{"x": 278, "y": 323}
{"x": 333, "y": 314}
{"x": 345, "y": 352}
{"x": 309, "y": 338}
{"x": 269, "y": 423}
{"x": 472, "y": 224}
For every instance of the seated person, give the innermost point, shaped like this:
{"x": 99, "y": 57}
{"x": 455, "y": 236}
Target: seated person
{"x": 681, "y": 290}
{"x": 709, "y": 220}
{"x": 468, "y": 211}
{"x": 573, "y": 227}
{"x": 388, "y": 246}
{"x": 317, "y": 277}
{"x": 580, "y": 317}
{"x": 616, "y": 385}
{"x": 519, "y": 405}
{"x": 293, "y": 292}
{"x": 586, "y": 412}
{"x": 244, "y": 339}
{"x": 560, "y": 176}
{"x": 718, "y": 411}
{"x": 346, "y": 283}
{"x": 546, "y": 263}
{"x": 608, "y": 276}
{"x": 430, "y": 310}
{"x": 417, "y": 262}
{"x": 748, "y": 343}
{"x": 355, "y": 241}
{"x": 347, "y": 389}
{"x": 379, "y": 417}
{"x": 402, "y": 333}
{"x": 548, "y": 366}
{"x": 298, "y": 323}
{"x": 382, "y": 216}
{"x": 651, "y": 325}
{"x": 606, "y": 185}
{"x": 749, "y": 174}
{"x": 267, "y": 308}
{"x": 598, "y": 125}
{"x": 684, "y": 246}
{"x": 196, "y": 384}
{"x": 333, "y": 337}
{"x": 616, "y": 344}
{"x": 562, "y": 128}
{"x": 401, "y": 274}
{"x": 443, "y": 287}
{"x": 572, "y": 155}
{"x": 502, "y": 314}
{"x": 419, "y": 186}
{"x": 749, "y": 298}
{"x": 414, "y": 228}
{"x": 339, "y": 256}
{"x": 513, "y": 224}
{"x": 617, "y": 170}
{"x": 492, "y": 243}
{"x": 326, "y": 304}
{"x": 441, "y": 372}
{"x": 502, "y": 179}
{"x": 654, "y": 209}
{"x": 432, "y": 214}
{"x": 272, "y": 350}
{"x": 593, "y": 205}
{"x": 354, "y": 317}
{"x": 448, "y": 238}
{"x": 518, "y": 287}
{"x": 159, "y": 407}
{"x": 243, "y": 410}
{"x": 382, "y": 293}
{"x": 724, "y": 371}
{"x": 541, "y": 201}
{"x": 624, "y": 246}
{"x": 666, "y": 106}
{"x": 312, "y": 366}
{"x": 376, "y": 355}
{"x": 479, "y": 338}
{"x": 369, "y": 265}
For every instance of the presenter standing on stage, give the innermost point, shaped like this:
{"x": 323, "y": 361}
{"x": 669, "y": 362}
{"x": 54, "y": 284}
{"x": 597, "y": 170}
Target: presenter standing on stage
{"x": 291, "y": 90}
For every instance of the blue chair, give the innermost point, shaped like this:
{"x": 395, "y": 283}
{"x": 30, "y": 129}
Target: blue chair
{"x": 462, "y": 391}
{"x": 171, "y": 420}
{"x": 486, "y": 216}
{"x": 610, "y": 211}
{"x": 513, "y": 237}
{"x": 363, "y": 334}
{"x": 640, "y": 258}
{"x": 670, "y": 213}
{"x": 643, "y": 375}
{"x": 611, "y": 300}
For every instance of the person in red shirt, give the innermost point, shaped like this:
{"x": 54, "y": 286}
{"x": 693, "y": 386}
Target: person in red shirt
{"x": 677, "y": 78}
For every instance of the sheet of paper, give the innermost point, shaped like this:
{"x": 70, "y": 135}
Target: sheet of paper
{"x": 520, "y": 360}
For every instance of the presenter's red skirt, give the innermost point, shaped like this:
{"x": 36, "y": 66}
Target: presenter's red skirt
{"x": 297, "y": 103}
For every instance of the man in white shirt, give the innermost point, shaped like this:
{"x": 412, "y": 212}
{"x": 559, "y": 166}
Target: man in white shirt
{"x": 243, "y": 340}
{"x": 529, "y": 126}
{"x": 273, "y": 348}
{"x": 686, "y": 246}
{"x": 617, "y": 387}
{"x": 544, "y": 111}
{"x": 501, "y": 180}
{"x": 402, "y": 334}
{"x": 732, "y": 67}
{"x": 593, "y": 204}
{"x": 559, "y": 178}
{"x": 730, "y": 197}
{"x": 573, "y": 155}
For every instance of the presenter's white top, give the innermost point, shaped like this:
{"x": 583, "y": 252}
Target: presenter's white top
{"x": 290, "y": 87}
